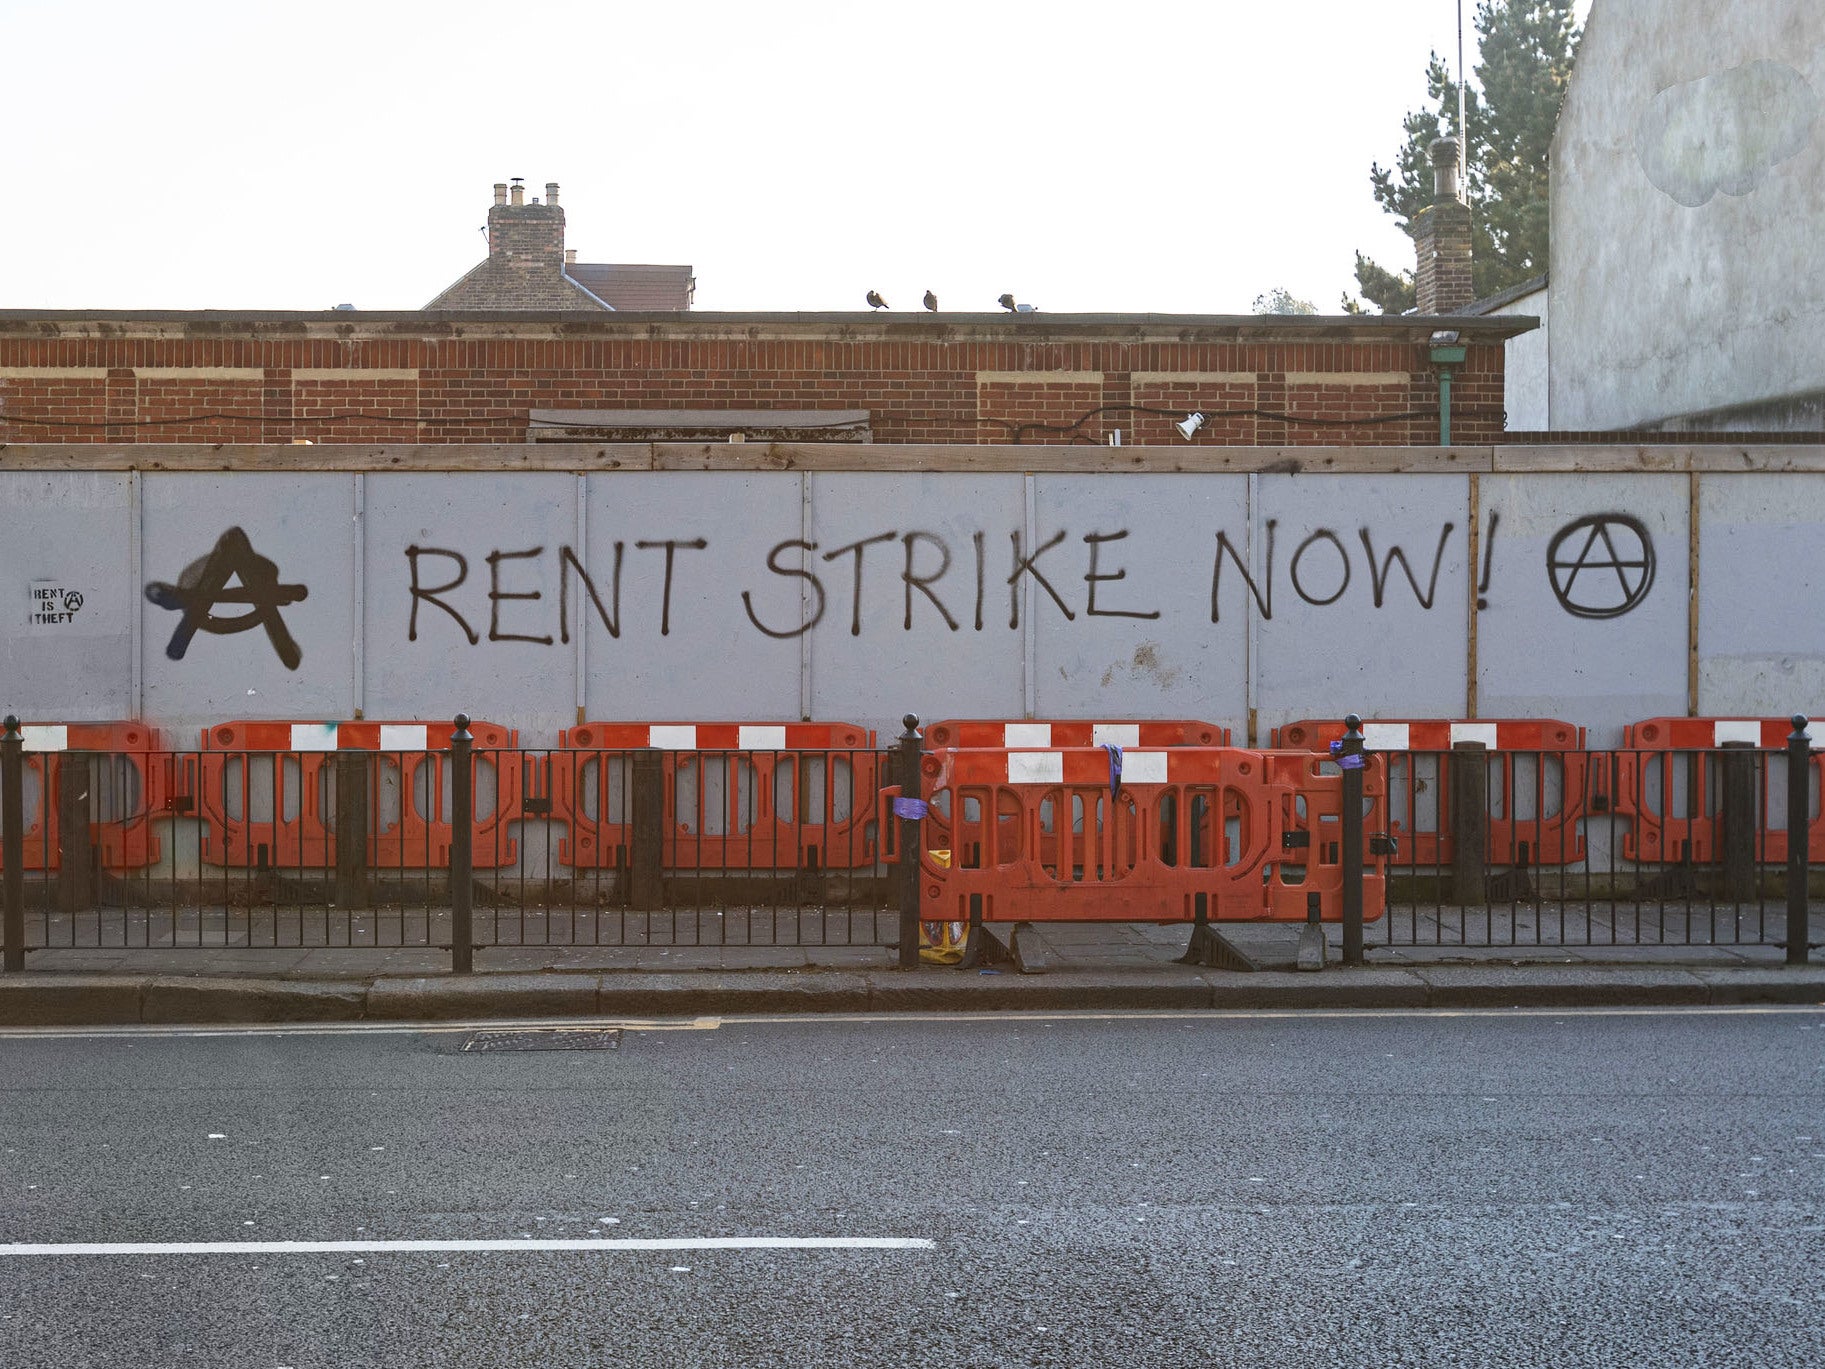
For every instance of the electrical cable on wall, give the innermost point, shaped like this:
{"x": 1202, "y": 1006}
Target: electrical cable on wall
{"x": 1018, "y": 431}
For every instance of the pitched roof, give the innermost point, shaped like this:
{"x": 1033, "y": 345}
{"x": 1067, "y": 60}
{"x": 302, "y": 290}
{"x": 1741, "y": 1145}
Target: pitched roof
{"x": 634, "y": 286}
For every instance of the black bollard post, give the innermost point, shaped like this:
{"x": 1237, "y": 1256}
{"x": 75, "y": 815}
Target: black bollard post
{"x": 1737, "y": 761}
{"x": 1799, "y": 848}
{"x": 12, "y": 843}
{"x": 1469, "y": 763}
{"x": 1350, "y": 757}
{"x": 911, "y": 778}
{"x": 646, "y": 835}
{"x": 75, "y": 772}
{"x": 352, "y": 771}
{"x": 462, "y": 854}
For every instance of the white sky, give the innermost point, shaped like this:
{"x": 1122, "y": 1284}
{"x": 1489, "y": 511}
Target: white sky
{"x": 1133, "y": 156}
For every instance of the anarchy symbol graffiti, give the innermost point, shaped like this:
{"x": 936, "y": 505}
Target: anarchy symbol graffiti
{"x": 1601, "y": 565}
{"x": 204, "y": 584}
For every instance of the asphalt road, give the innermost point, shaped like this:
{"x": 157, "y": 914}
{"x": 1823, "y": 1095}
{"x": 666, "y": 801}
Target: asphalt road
{"x": 1433, "y": 1189}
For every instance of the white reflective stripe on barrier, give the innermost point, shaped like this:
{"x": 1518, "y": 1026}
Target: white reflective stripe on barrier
{"x": 1736, "y": 730}
{"x": 1474, "y": 732}
{"x": 313, "y": 737}
{"x": 672, "y": 738}
{"x": 1386, "y": 737}
{"x": 758, "y": 738}
{"x": 46, "y": 736}
{"x": 1116, "y": 734}
{"x": 404, "y": 737}
{"x": 1144, "y": 767}
{"x": 1036, "y": 767}
{"x": 1027, "y": 734}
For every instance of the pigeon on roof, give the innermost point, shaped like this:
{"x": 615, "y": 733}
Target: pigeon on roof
{"x": 875, "y": 301}
{"x": 931, "y": 301}
{"x": 1007, "y": 302}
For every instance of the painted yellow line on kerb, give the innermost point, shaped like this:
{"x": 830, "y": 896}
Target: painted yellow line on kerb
{"x": 1256, "y": 1014}
{"x": 496, "y": 1024}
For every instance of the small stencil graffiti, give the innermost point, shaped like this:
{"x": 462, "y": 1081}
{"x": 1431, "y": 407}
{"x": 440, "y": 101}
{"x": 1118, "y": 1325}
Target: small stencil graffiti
{"x": 1601, "y": 565}
{"x": 205, "y": 583}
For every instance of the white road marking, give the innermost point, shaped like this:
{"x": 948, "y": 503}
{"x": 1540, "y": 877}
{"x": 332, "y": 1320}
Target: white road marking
{"x": 151, "y": 1029}
{"x": 364, "y": 1247}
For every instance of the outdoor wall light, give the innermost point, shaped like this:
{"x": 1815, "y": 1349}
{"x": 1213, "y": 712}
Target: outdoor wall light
{"x": 1189, "y": 425}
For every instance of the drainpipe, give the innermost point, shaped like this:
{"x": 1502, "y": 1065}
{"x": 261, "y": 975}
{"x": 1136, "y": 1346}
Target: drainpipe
{"x": 1446, "y": 351}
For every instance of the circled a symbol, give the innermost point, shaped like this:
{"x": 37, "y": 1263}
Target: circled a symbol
{"x": 1601, "y": 565}
{"x": 72, "y": 601}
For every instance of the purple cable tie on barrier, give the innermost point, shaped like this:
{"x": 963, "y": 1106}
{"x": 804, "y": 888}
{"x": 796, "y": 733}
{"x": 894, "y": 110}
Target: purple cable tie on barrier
{"x": 910, "y": 808}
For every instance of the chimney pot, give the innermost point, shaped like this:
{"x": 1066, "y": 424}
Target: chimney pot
{"x": 518, "y": 193}
{"x": 1445, "y": 185}
{"x": 1444, "y": 278}
{"x": 570, "y": 256}
{"x": 500, "y": 192}
{"x": 551, "y": 192}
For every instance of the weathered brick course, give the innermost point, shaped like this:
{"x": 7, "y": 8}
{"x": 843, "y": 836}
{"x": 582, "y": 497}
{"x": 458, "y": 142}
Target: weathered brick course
{"x": 971, "y": 379}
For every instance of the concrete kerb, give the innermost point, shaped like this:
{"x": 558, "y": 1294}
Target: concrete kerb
{"x": 1765, "y": 984}
{"x": 71, "y": 1000}
{"x": 179, "y": 999}
{"x": 633, "y": 994}
{"x": 1564, "y": 986}
{"x": 112, "y": 999}
{"x": 1056, "y": 991}
{"x": 441, "y": 997}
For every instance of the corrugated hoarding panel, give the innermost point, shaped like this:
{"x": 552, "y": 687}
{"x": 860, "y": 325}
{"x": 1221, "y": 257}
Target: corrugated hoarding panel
{"x": 67, "y": 598}
{"x": 248, "y": 602}
{"x": 1133, "y": 568}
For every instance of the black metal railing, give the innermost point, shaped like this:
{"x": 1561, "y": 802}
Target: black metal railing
{"x": 1590, "y": 849}
{"x": 471, "y": 849}
{"x": 466, "y": 849}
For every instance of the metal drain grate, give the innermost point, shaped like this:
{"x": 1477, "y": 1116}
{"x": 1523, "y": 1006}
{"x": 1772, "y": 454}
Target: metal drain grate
{"x": 546, "y": 1039}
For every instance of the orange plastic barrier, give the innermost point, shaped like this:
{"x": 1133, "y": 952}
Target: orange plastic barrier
{"x": 738, "y": 796}
{"x": 1012, "y": 734}
{"x": 1309, "y": 791}
{"x": 266, "y": 791}
{"x": 1181, "y": 834}
{"x": 1667, "y": 784}
{"x": 1536, "y": 765}
{"x": 122, "y": 795}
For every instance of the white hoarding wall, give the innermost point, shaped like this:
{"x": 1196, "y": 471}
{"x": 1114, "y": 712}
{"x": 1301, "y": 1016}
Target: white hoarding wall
{"x": 1249, "y": 600}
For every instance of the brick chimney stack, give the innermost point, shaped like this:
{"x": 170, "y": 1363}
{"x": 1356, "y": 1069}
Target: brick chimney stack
{"x": 526, "y": 258}
{"x": 527, "y": 238}
{"x": 1441, "y": 238}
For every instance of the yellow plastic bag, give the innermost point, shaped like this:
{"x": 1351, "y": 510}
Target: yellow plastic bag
{"x": 942, "y": 943}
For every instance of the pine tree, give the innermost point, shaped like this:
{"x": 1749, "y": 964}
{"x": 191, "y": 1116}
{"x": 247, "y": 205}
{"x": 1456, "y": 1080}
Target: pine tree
{"x": 1280, "y": 300}
{"x": 1525, "y": 50}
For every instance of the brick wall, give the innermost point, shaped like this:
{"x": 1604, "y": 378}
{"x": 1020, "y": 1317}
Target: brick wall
{"x": 1058, "y": 380}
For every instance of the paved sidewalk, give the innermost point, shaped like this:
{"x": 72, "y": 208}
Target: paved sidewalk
{"x": 1087, "y": 966}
